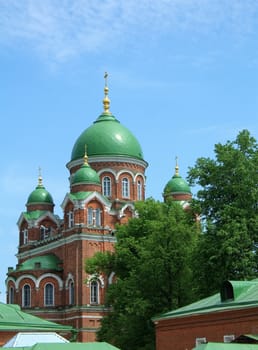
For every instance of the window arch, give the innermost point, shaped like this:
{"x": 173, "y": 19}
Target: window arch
{"x": 106, "y": 183}
{"x": 11, "y": 295}
{"x": 26, "y": 296}
{"x": 139, "y": 190}
{"x": 71, "y": 293}
{"x": 125, "y": 188}
{"x": 49, "y": 294}
{"x": 94, "y": 292}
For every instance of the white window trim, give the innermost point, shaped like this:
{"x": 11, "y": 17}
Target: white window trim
{"x": 25, "y": 236}
{"x": 70, "y": 215}
{"x": 46, "y": 296}
{"x": 107, "y": 186}
{"x": 139, "y": 190}
{"x": 95, "y": 217}
{"x": 125, "y": 188}
{"x": 93, "y": 302}
{"x": 71, "y": 292}
{"x": 23, "y": 296}
{"x": 11, "y": 295}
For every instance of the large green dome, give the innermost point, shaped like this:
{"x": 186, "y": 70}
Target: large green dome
{"x": 107, "y": 137}
{"x": 40, "y": 195}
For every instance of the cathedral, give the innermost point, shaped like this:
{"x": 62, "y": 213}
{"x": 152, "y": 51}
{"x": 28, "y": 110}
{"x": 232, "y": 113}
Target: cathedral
{"x": 107, "y": 176}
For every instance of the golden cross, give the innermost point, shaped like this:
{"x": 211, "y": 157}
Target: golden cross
{"x": 106, "y": 76}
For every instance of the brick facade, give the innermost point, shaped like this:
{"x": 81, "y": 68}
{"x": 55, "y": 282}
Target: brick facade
{"x": 77, "y": 299}
{"x": 181, "y": 333}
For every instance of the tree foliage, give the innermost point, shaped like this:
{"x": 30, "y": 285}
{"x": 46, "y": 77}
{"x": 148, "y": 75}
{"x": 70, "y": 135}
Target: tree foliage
{"x": 153, "y": 272}
{"x": 228, "y": 205}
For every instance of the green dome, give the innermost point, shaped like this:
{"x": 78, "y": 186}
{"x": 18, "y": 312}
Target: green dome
{"x": 40, "y": 195}
{"x": 85, "y": 175}
{"x": 44, "y": 262}
{"x": 107, "y": 137}
{"x": 177, "y": 185}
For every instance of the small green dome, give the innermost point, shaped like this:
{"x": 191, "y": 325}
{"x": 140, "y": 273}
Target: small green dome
{"x": 85, "y": 175}
{"x": 177, "y": 185}
{"x": 40, "y": 195}
{"x": 107, "y": 137}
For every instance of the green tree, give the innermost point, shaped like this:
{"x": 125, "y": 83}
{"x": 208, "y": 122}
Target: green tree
{"x": 152, "y": 265}
{"x": 228, "y": 205}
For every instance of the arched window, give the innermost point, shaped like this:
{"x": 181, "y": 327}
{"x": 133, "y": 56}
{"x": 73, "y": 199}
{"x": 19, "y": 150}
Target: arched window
{"x": 11, "y": 295}
{"x": 71, "y": 293}
{"x": 49, "y": 294}
{"x": 90, "y": 216}
{"x": 139, "y": 190}
{"x": 98, "y": 217}
{"x": 44, "y": 232}
{"x": 106, "y": 185}
{"x": 70, "y": 219}
{"x": 94, "y": 292}
{"x": 25, "y": 236}
{"x": 125, "y": 188}
{"x": 26, "y": 295}
{"x": 94, "y": 217}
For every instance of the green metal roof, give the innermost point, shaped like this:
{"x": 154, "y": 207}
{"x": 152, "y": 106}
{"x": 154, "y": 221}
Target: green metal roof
{"x": 13, "y": 319}
{"x": 70, "y": 346}
{"x": 85, "y": 175}
{"x": 107, "y": 137}
{"x": 226, "y": 346}
{"x": 34, "y": 214}
{"x": 40, "y": 195}
{"x": 177, "y": 185}
{"x": 79, "y": 195}
{"x": 43, "y": 262}
{"x": 233, "y": 295}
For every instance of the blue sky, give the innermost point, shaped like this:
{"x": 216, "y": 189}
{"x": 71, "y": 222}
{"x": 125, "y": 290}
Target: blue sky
{"x": 182, "y": 77}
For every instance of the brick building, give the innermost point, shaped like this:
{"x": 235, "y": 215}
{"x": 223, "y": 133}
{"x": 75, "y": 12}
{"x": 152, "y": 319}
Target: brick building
{"x": 223, "y": 317}
{"x": 107, "y": 175}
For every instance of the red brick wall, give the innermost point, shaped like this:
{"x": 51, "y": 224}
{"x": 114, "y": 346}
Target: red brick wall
{"x": 181, "y": 333}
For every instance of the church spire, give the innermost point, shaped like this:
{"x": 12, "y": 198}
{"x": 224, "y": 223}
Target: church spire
{"x": 106, "y": 100}
{"x": 176, "y": 167}
{"x": 40, "y": 180}
{"x": 85, "y": 158}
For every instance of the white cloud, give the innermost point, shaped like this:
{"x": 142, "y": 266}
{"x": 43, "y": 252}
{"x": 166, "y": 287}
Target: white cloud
{"x": 63, "y": 29}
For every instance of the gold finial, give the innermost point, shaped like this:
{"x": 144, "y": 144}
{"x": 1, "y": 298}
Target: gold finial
{"x": 85, "y": 156}
{"x": 40, "y": 183}
{"x": 177, "y": 167}
{"x": 106, "y": 100}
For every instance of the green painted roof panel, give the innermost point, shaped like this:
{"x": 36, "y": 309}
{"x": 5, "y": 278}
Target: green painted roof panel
{"x": 13, "y": 319}
{"x": 43, "y": 262}
{"x": 79, "y": 195}
{"x": 71, "y": 346}
{"x": 34, "y": 215}
{"x": 245, "y": 295}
